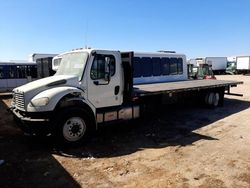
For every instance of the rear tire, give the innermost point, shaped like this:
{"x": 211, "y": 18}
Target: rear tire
{"x": 212, "y": 99}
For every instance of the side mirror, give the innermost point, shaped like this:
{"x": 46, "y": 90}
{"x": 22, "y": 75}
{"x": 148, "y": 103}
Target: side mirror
{"x": 107, "y": 69}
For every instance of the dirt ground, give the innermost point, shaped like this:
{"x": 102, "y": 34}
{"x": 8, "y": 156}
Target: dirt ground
{"x": 183, "y": 145}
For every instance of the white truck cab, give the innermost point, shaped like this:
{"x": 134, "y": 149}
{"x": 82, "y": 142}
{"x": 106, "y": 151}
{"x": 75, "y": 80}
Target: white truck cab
{"x": 86, "y": 80}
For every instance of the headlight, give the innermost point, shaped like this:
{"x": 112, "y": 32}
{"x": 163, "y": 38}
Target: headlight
{"x": 40, "y": 102}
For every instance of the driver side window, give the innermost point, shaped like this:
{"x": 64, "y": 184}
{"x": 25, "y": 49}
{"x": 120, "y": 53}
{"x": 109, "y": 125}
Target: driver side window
{"x": 98, "y": 66}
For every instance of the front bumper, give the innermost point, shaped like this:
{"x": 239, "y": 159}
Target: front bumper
{"x": 33, "y": 123}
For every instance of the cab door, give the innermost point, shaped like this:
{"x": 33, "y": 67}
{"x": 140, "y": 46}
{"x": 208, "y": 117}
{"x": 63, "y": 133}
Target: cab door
{"x": 105, "y": 79}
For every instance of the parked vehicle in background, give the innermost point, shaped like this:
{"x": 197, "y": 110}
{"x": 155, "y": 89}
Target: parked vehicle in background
{"x": 44, "y": 67}
{"x": 218, "y": 64}
{"x": 16, "y": 73}
{"x": 202, "y": 71}
{"x": 33, "y": 57}
{"x": 94, "y": 87}
{"x": 231, "y": 67}
{"x": 44, "y": 64}
{"x": 243, "y": 64}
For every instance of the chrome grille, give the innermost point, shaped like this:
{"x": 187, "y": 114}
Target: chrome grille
{"x": 19, "y": 100}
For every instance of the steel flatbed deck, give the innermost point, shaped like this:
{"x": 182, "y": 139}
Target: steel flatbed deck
{"x": 181, "y": 86}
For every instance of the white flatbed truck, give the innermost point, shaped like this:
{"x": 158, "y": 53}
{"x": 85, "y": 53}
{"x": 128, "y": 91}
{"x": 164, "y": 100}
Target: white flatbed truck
{"x": 94, "y": 87}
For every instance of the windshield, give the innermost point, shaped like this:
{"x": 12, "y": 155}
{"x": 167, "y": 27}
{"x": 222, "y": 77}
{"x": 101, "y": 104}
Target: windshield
{"x": 72, "y": 64}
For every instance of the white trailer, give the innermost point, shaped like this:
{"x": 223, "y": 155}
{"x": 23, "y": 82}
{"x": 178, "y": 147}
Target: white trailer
{"x": 218, "y": 64}
{"x": 94, "y": 87}
{"x": 243, "y": 64}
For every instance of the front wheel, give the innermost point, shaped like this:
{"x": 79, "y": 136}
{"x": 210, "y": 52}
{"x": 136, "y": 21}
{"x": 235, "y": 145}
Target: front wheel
{"x": 73, "y": 126}
{"x": 74, "y": 129}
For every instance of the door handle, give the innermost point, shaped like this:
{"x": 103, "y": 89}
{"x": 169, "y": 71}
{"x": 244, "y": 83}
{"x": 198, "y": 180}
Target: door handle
{"x": 97, "y": 83}
{"x": 117, "y": 89}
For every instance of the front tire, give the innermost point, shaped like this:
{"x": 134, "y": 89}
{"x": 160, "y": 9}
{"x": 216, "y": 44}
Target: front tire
{"x": 73, "y": 126}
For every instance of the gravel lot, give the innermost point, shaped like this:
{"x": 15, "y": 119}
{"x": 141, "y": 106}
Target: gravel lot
{"x": 182, "y": 145}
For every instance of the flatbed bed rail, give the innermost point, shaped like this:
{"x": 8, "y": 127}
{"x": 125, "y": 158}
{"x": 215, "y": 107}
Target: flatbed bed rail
{"x": 181, "y": 86}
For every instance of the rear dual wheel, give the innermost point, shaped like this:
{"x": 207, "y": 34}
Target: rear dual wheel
{"x": 212, "y": 99}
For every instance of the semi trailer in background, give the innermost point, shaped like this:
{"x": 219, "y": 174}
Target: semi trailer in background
{"x": 243, "y": 64}
{"x": 218, "y": 64}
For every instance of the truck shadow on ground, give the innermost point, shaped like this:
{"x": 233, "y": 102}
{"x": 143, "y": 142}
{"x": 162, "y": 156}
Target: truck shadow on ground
{"x": 26, "y": 167}
{"x": 29, "y": 162}
{"x": 172, "y": 125}
{"x": 25, "y": 163}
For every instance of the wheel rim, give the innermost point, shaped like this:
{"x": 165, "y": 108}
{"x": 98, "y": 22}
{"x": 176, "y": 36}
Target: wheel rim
{"x": 74, "y": 129}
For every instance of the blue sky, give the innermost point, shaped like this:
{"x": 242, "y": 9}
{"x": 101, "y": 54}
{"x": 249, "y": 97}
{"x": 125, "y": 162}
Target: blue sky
{"x": 196, "y": 28}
